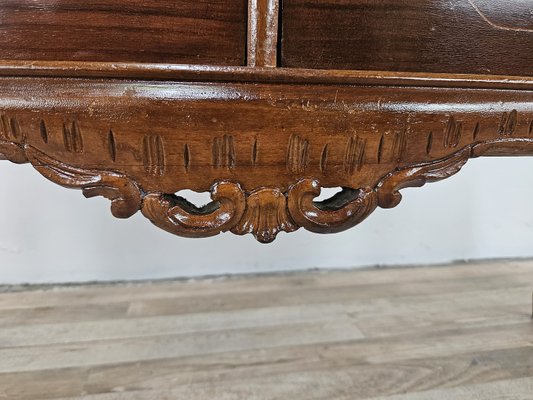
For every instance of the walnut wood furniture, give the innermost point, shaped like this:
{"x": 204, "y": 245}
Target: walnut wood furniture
{"x": 262, "y": 103}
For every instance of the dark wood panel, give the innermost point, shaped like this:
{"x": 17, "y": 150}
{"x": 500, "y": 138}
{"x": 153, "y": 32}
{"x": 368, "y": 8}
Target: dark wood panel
{"x": 460, "y": 36}
{"x": 172, "y": 31}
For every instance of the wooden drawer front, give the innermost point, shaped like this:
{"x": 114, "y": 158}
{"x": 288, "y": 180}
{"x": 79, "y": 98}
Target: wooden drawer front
{"x": 168, "y": 31}
{"x": 456, "y": 36}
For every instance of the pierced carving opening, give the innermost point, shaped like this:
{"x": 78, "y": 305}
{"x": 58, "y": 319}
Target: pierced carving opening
{"x": 335, "y": 198}
{"x": 327, "y": 193}
{"x": 196, "y": 203}
{"x": 175, "y": 214}
{"x": 338, "y": 212}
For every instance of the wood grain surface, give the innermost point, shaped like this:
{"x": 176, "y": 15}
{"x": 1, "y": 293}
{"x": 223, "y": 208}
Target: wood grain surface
{"x": 264, "y": 151}
{"x": 448, "y": 332}
{"x": 263, "y": 18}
{"x": 172, "y": 31}
{"x": 211, "y": 73}
{"x": 136, "y": 101}
{"x": 466, "y": 36}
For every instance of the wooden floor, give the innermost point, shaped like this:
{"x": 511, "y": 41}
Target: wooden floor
{"x": 457, "y": 332}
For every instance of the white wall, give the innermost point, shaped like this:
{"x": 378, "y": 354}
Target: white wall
{"x": 51, "y": 234}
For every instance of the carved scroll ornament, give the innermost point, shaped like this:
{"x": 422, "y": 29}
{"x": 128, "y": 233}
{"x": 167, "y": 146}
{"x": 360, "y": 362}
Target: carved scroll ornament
{"x": 124, "y": 194}
{"x": 264, "y": 211}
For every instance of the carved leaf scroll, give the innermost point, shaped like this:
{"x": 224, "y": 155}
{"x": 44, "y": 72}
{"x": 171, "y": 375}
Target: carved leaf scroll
{"x": 12, "y": 152}
{"x": 388, "y": 190}
{"x": 420, "y": 174}
{"x": 343, "y": 211}
{"x": 124, "y": 194}
{"x": 176, "y": 215}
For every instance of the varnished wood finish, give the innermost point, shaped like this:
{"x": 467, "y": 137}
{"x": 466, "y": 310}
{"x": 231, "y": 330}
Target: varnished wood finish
{"x": 461, "y": 36}
{"x": 171, "y": 31}
{"x": 448, "y": 332}
{"x": 209, "y": 73}
{"x": 263, "y": 18}
{"x": 138, "y": 143}
{"x": 264, "y": 140}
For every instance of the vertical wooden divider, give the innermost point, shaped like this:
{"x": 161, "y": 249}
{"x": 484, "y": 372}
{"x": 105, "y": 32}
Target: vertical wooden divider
{"x": 263, "y": 16}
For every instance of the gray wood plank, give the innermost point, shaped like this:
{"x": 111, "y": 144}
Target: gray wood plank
{"x": 456, "y": 332}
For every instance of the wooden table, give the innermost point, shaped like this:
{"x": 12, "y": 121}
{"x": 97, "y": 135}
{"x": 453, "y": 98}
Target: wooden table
{"x": 262, "y": 103}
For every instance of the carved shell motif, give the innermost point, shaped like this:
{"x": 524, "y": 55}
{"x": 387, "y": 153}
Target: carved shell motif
{"x": 266, "y": 215}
